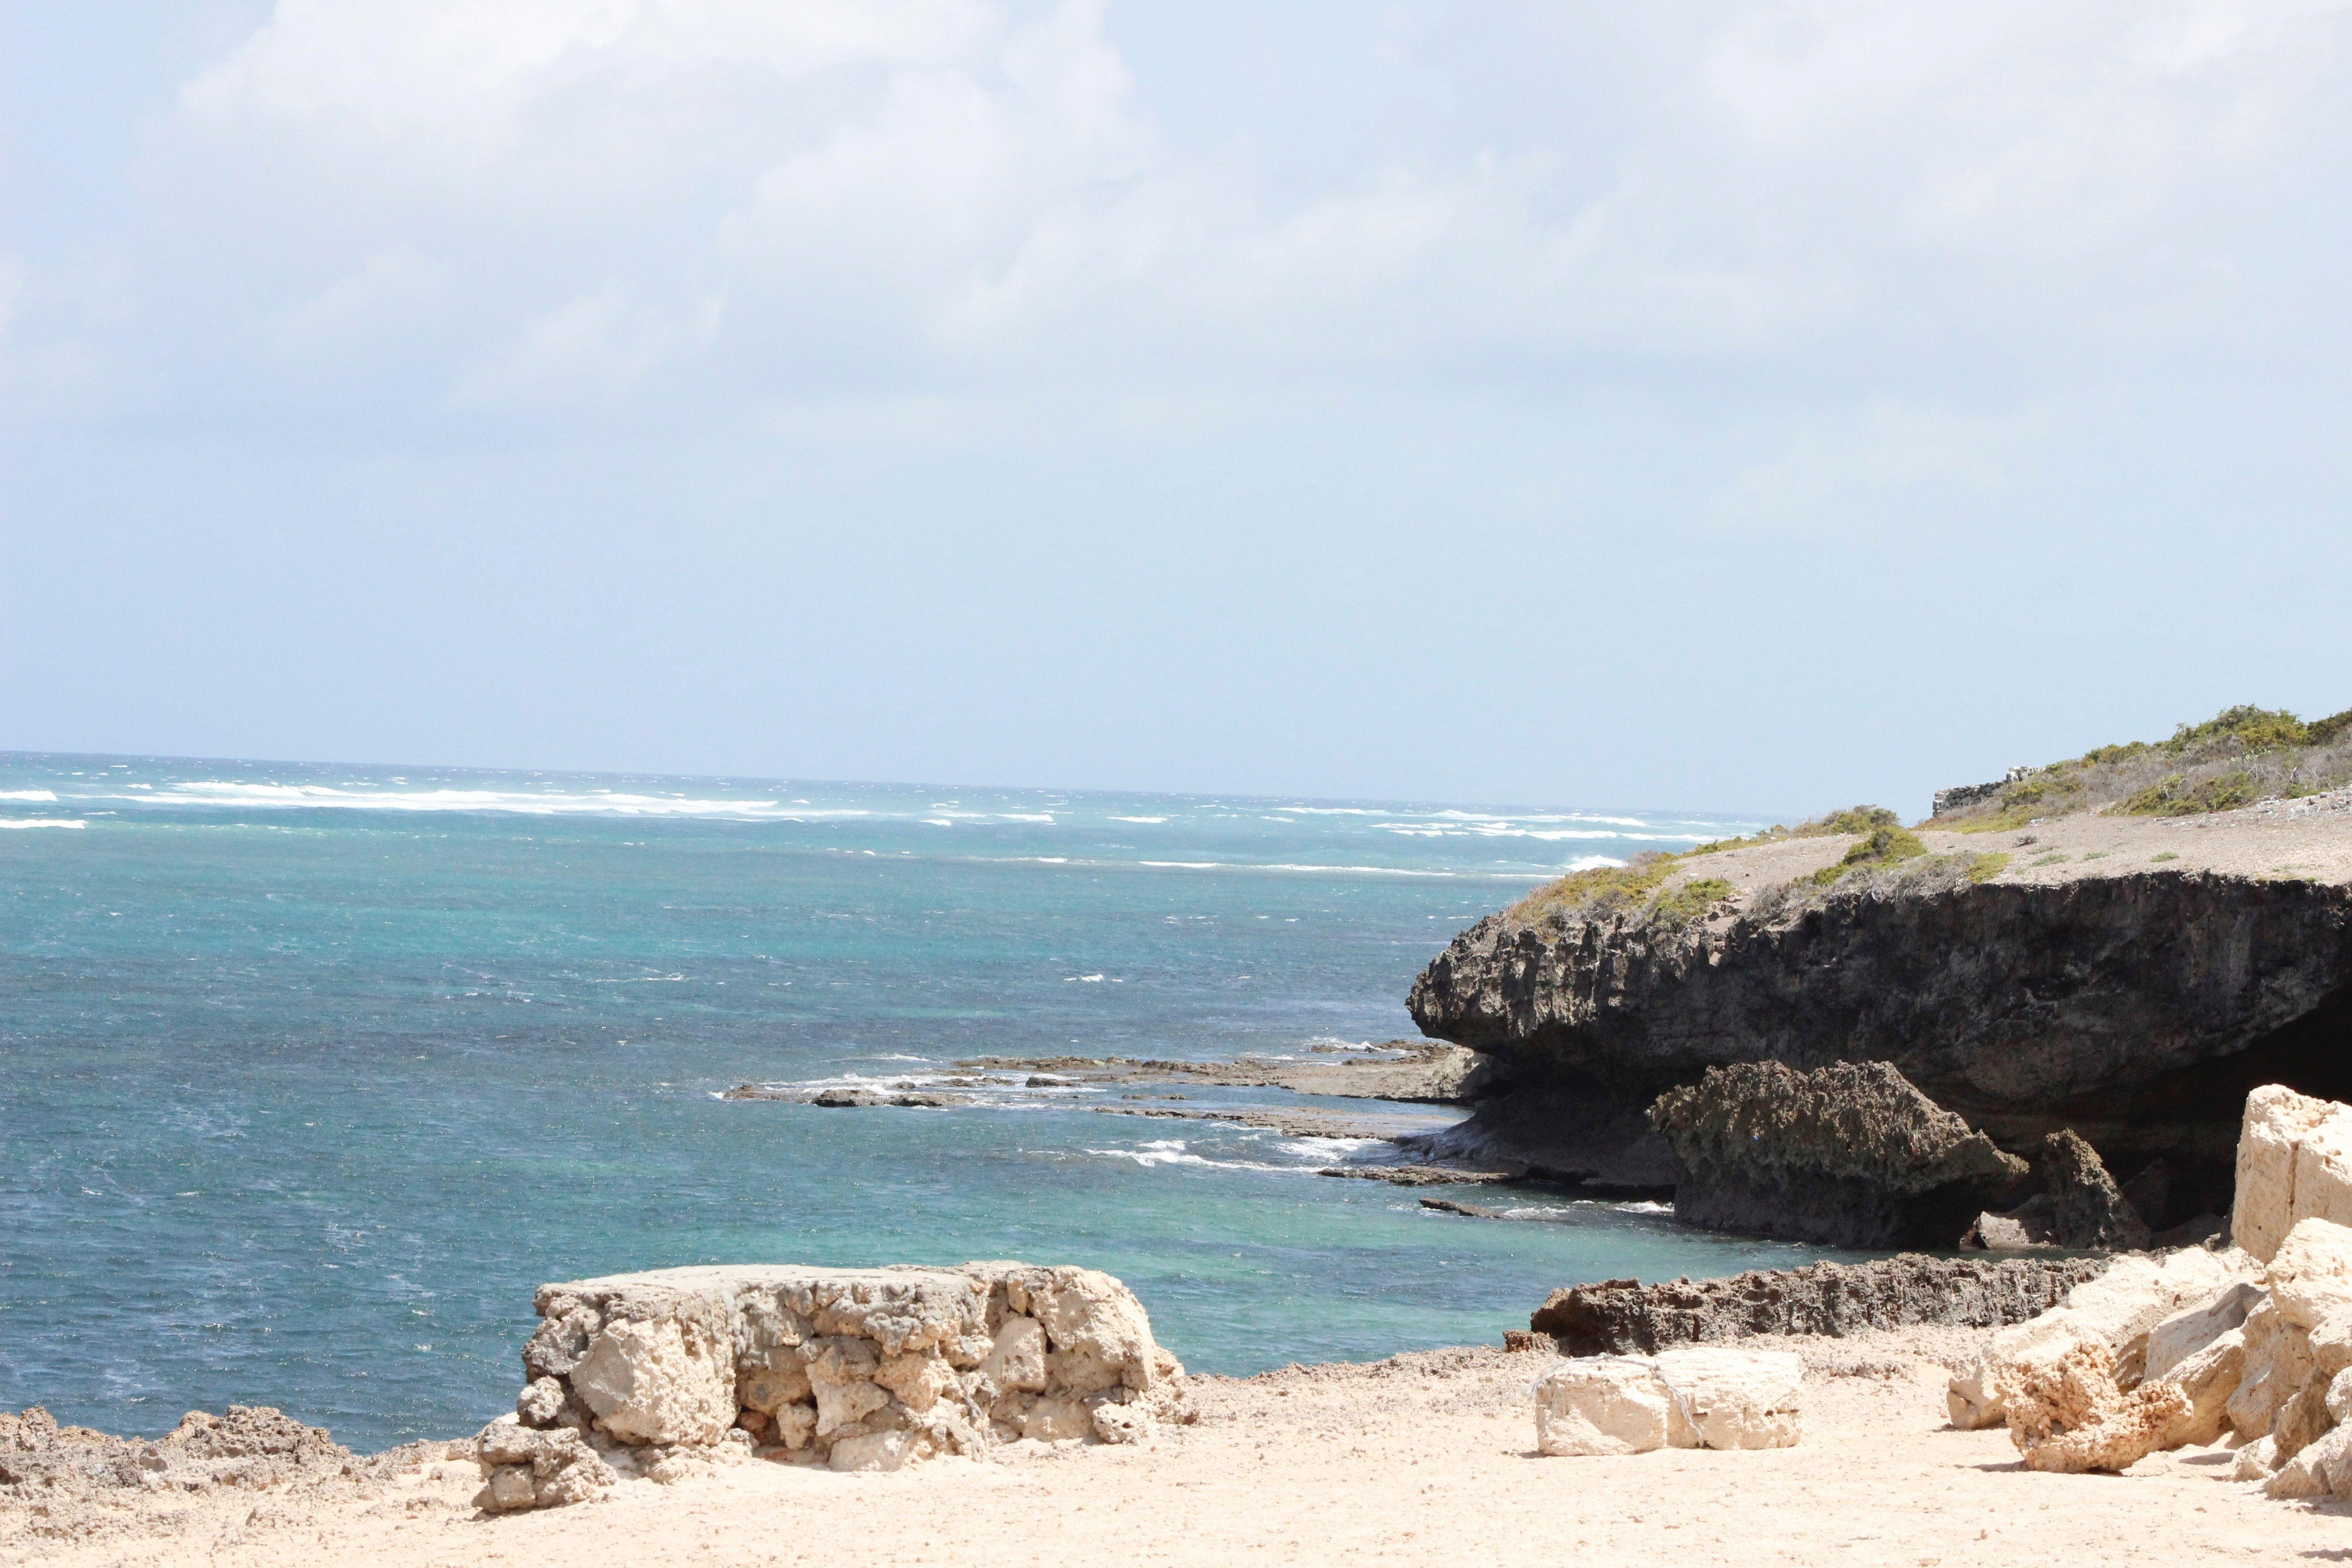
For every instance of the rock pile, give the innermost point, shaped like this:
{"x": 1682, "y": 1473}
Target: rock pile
{"x": 2253, "y": 1345}
{"x": 1683, "y": 1399}
{"x": 855, "y": 1369}
{"x": 250, "y": 1447}
{"x": 1620, "y": 1316}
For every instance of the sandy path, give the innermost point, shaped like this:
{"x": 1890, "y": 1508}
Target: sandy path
{"x": 1425, "y": 1458}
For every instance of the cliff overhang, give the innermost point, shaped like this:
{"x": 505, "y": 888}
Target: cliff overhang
{"x": 2138, "y": 1008}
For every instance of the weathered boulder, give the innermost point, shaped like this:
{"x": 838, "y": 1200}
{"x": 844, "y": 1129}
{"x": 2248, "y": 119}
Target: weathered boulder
{"x": 523, "y": 1468}
{"x": 1603, "y": 1404}
{"x": 1623, "y": 1317}
{"x": 2207, "y": 1378}
{"x": 2294, "y": 1163}
{"x": 1736, "y": 1399}
{"x": 2279, "y": 1365}
{"x": 2310, "y": 1275}
{"x": 2118, "y": 1309}
{"x": 855, "y": 1369}
{"x": 1848, "y": 1154}
{"x": 2086, "y": 1209}
{"x": 2321, "y": 1469}
{"x": 2194, "y": 1326}
{"x": 2069, "y": 1413}
{"x": 1693, "y": 1399}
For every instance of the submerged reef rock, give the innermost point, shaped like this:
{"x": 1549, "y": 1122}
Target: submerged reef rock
{"x": 1622, "y": 1317}
{"x": 857, "y": 1369}
{"x": 1848, "y": 1154}
{"x": 2135, "y": 1007}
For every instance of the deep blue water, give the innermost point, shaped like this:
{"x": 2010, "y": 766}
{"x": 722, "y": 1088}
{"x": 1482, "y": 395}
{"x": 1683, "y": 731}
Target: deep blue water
{"x": 312, "y": 1073}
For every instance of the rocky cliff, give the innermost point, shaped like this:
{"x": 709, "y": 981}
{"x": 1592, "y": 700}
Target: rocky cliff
{"x": 2135, "y": 1000}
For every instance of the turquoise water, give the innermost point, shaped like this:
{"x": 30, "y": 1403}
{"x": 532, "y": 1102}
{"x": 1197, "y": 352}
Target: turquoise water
{"x": 312, "y": 1073}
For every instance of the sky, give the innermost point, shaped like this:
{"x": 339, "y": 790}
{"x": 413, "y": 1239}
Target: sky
{"x": 1753, "y": 406}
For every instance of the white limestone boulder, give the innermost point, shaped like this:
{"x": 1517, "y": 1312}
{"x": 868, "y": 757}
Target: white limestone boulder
{"x": 1699, "y": 1397}
{"x": 2294, "y": 1163}
{"x": 1736, "y": 1399}
{"x": 2278, "y": 1366}
{"x": 2207, "y": 1378}
{"x": 1603, "y": 1404}
{"x": 659, "y": 1382}
{"x": 2119, "y": 1309}
{"x": 2194, "y": 1326}
{"x": 2310, "y": 1273}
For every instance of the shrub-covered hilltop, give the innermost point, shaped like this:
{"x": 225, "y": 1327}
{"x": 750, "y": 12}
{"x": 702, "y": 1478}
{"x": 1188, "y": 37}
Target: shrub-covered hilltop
{"x": 2237, "y": 758}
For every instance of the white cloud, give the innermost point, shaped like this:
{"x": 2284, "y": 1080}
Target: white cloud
{"x": 568, "y": 201}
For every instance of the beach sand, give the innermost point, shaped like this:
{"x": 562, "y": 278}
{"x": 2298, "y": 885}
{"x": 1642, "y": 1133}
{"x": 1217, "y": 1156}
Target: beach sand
{"x": 1428, "y": 1457}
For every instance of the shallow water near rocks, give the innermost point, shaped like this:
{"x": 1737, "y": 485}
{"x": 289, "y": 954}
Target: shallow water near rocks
{"x": 313, "y": 1073}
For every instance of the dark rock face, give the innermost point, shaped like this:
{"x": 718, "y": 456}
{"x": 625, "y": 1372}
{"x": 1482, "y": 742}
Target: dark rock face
{"x": 2086, "y": 1209}
{"x": 1619, "y": 1317}
{"x": 2137, "y": 1009}
{"x": 1848, "y": 1154}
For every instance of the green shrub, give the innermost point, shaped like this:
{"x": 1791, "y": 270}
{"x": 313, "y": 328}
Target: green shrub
{"x": 1680, "y": 906}
{"x": 2255, "y": 729}
{"x": 1886, "y": 846}
{"x": 2241, "y": 755}
{"x": 1985, "y": 867}
{"x": 1603, "y": 890}
{"x": 2173, "y": 795}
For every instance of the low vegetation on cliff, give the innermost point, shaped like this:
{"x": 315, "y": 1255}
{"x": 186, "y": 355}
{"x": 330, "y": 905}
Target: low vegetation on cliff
{"x": 1885, "y": 856}
{"x": 2239, "y": 756}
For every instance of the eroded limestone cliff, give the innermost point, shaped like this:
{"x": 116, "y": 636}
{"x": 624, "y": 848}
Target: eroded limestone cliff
{"x": 2136, "y": 1001}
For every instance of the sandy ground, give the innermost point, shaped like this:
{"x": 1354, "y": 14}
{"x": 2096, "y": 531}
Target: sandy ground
{"x": 2307, "y": 839}
{"x": 1427, "y": 1457}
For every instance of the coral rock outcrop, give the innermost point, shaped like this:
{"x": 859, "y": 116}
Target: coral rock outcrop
{"x": 247, "y": 1447}
{"x": 2071, "y": 1416}
{"x": 1624, "y": 1317}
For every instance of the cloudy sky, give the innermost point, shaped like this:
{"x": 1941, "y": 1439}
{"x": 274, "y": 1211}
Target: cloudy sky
{"x": 1750, "y": 406}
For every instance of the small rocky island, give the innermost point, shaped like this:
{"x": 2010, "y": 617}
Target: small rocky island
{"x": 2032, "y": 1017}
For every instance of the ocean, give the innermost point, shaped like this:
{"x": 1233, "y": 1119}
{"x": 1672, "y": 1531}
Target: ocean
{"x": 312, "y": 1073}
